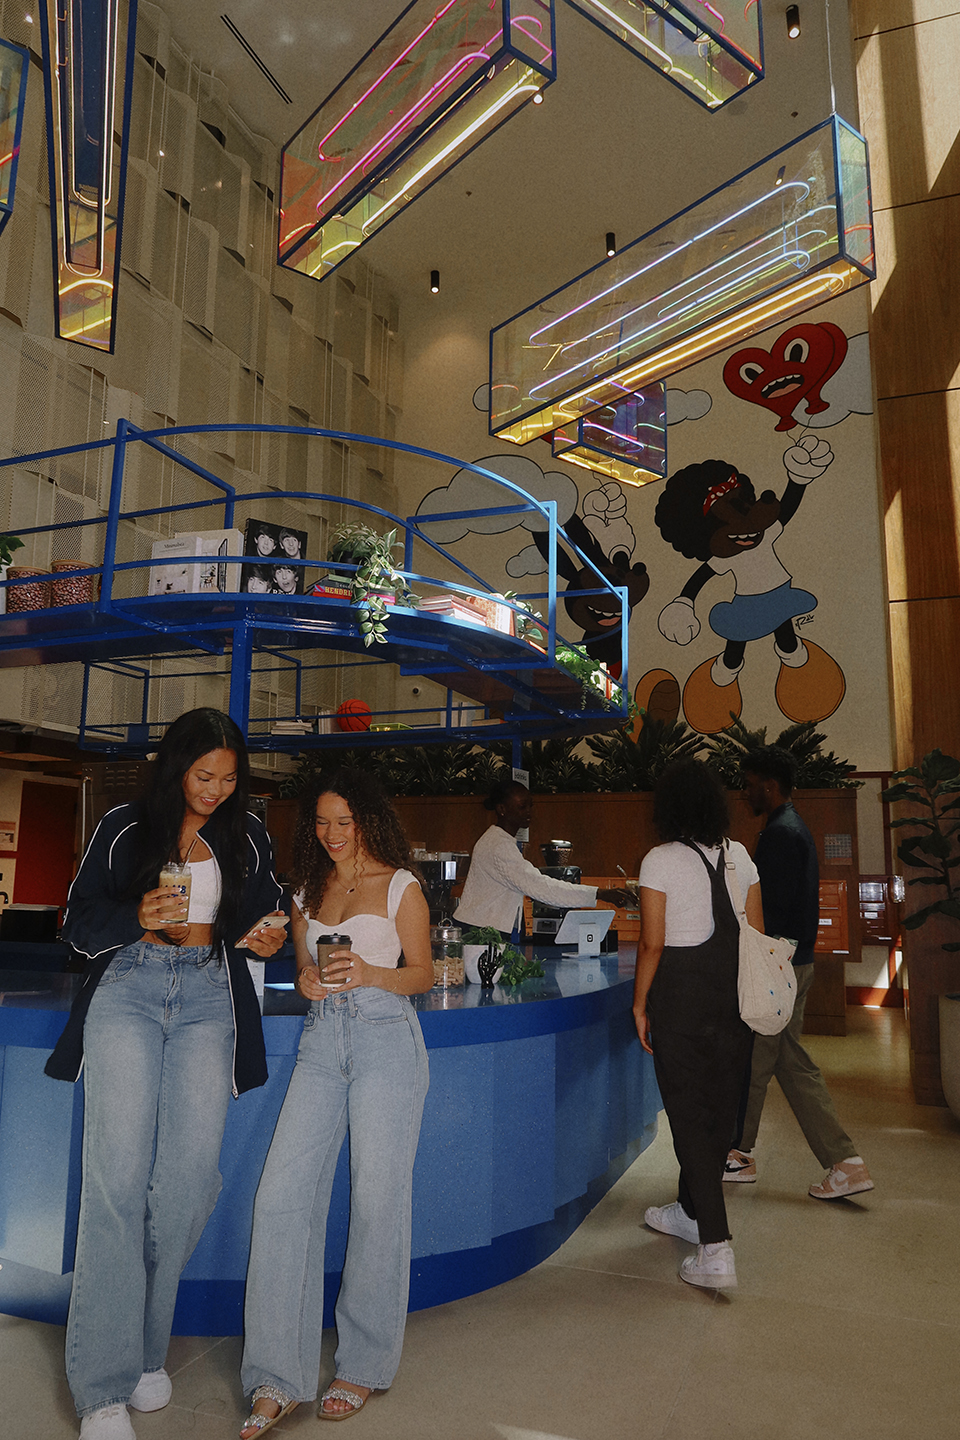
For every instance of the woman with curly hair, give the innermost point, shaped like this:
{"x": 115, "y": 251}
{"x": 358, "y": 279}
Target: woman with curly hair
{"x": 362, "y": 1068}
{"x": 686, "y": 1006}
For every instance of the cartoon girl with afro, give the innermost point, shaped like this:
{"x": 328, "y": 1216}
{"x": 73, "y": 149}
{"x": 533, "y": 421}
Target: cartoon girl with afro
{"x": 710, "y": 512}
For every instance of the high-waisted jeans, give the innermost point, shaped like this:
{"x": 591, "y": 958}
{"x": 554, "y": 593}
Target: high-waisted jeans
{"x": 362, "y": 1067}
{"x": 158, "y": 1056}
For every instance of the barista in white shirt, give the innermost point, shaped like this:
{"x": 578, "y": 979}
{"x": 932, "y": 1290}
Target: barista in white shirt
{"x": 499, "y": 877}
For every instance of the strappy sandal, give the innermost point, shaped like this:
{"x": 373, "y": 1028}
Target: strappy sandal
{"x": 261, "y": 1423}
{"x": 337, "y": 1392}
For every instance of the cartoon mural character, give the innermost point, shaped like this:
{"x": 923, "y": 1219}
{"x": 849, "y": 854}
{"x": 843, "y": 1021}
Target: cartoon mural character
{"x": 796, "y": 368}
{"x": 598, "y": 616}
{"x": 710, "y": 512}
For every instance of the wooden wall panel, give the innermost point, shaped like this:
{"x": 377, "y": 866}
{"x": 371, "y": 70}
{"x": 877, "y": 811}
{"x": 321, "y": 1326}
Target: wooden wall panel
{"x": 903, "y": 75}
{"x": 921, "y": 493}
{"x": 915, "y": 328}
{"x": 925, "y": 643}
{"x": 871, "y": 16}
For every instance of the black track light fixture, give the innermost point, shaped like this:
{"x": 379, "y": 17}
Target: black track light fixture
{"x": 434, "y": 282}
{"x": 793, "y": 21}
{"x": 611, "y": 243}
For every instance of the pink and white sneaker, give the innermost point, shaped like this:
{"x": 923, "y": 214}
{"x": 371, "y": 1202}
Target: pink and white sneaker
{"x": 849, "y": 1177}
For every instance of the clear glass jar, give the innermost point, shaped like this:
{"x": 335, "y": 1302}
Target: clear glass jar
{"x": 446, "y": 949}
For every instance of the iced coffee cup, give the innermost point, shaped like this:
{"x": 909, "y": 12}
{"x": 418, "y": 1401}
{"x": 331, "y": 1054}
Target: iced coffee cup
{"x": 325, "y": 945}
{"x": 178, "y": 877}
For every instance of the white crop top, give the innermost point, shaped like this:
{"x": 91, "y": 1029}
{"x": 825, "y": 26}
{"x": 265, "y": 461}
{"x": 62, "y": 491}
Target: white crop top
{"x": 373, "y": 937}
{"x": 204, "y": 891}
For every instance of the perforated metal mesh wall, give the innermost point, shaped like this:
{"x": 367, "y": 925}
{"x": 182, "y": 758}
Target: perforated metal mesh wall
{"x": 208, "y": 330}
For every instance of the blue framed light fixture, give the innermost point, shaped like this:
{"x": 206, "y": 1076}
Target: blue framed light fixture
{"x": 437, "y": 83}
{"x": 88, "y": 91}
{"x": 14, "y": 64}
{"x": 625, "y": 441}
{"x": 712, "y": 51}
{"x": 789, "y": 233}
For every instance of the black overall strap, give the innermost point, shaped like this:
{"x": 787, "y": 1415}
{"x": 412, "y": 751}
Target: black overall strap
{"x": 718, "y": 883}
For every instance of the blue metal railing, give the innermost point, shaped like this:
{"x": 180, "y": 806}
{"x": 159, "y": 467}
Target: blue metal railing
{"x": 469, "y": 583}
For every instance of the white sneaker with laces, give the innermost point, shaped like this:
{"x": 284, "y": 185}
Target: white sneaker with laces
{"x": 112, "y": 1422}
{"x": 712, "y": 1267}
{"x": 849, "y": 1177}
{"x": 153, "y": 1391}
{"x": 672, "y": 1220}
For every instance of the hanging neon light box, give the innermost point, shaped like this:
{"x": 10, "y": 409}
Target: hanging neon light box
{"x": 14, "y": 64}
{"x": 786, "y": 235}
{"x": 626, "y": 441}
{"x": 88, "y": 51}
{"x": 436, "y": 84}
{"x": 713, "y": 55}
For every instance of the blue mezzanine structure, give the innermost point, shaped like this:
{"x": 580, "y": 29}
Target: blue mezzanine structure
{"x": 498, "y": 685}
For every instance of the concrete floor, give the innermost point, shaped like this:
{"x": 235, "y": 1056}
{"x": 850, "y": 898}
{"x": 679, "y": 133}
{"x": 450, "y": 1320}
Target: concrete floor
{"x": 846, "y": 1322}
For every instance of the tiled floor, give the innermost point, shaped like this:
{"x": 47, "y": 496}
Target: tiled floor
{"x": 846, "y": 1322}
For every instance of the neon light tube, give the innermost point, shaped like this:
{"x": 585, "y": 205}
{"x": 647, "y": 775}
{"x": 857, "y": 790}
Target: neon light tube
{"x": 743, "y": 257}
{"x": 710, "y": 55}
{"x": 433, "y": 87}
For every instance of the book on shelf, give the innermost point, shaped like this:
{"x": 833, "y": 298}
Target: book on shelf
{"x": 471, "y": 609}
{"x": 204, "y": 570}
{"x": 174, "y": 579}
{"x": 215, "y": 575}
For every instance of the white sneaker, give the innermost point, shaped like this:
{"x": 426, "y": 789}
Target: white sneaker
{"x": 112, "y": 1422}
{"x": 153, "y": 1391}
{"x": 712, "y": 1267}
{"x": 672, "y": 1220}
{"x": 850, "y": 1177}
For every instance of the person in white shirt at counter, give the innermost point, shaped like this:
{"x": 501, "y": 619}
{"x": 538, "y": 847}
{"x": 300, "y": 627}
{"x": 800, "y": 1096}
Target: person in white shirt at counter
{"x": 499, "y": 877}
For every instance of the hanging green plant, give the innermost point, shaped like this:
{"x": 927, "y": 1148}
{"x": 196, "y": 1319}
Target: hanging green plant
{"x": 375, "y": 577}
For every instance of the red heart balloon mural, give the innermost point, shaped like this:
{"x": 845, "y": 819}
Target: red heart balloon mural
{"x": 797, "y": 367}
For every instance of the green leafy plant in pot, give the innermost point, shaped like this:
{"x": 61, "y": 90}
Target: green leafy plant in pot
{"x": 482, "y": 950}
{"x": 933, "y": 784}
{"x": 375, "y": 577}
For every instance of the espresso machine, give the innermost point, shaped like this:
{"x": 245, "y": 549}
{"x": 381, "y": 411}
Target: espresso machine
{"x": 545, "y": 919}
{"x": 441, "y": 870}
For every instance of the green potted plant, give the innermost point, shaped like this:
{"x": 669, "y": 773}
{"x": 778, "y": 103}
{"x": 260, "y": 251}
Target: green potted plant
{"x": 933, "y": 786}
{"x": 375, "y": 577}
{"x": 482, "y": 949}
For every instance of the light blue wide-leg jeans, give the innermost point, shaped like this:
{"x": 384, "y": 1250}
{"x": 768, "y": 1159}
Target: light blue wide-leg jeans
{"x": 362, "y": 1066}
{"x": 158, "y": 1056}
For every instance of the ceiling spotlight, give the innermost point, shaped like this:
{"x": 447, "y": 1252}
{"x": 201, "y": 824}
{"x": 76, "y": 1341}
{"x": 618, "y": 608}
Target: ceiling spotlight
{"x": 780, "y": 174}
{"x": 538, "y": 98}
{"x": 793, "y": 21}
{"x": 611, "y": 243}
{"x": 434, "y": 282}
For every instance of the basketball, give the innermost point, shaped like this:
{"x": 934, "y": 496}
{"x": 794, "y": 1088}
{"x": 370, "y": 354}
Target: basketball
{"x": 354, "y": 715}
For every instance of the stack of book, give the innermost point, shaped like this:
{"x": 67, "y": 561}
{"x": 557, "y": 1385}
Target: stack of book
{"x": 471, "y": 609}
{"x": 293, "y": 727}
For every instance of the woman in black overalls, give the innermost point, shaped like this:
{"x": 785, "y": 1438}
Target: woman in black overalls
{"x": 686, "y": 1007}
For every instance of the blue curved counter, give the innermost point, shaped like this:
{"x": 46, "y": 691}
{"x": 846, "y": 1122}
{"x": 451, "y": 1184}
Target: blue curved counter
{"x": 540, "y": 1097}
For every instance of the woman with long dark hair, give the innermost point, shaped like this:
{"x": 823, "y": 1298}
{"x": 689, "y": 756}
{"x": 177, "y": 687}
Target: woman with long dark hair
{"x": 686, "y": 1005}
{"x": 362, "y": 1068}
{"x": 166, "y": 1025}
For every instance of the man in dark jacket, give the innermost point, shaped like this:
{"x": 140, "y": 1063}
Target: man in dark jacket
{"x": 786, "y": 858}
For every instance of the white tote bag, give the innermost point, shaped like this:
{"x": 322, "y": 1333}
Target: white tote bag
{"x": 766, "y": 981}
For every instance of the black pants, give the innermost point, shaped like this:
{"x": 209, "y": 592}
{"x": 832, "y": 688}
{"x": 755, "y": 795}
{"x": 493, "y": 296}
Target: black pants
{"x": 700, "y": 1078}
{"x": 701, "y": 1049}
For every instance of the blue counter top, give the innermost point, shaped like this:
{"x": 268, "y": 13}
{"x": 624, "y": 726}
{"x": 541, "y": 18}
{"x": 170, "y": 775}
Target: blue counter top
{"x": 540, "y": 1097}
